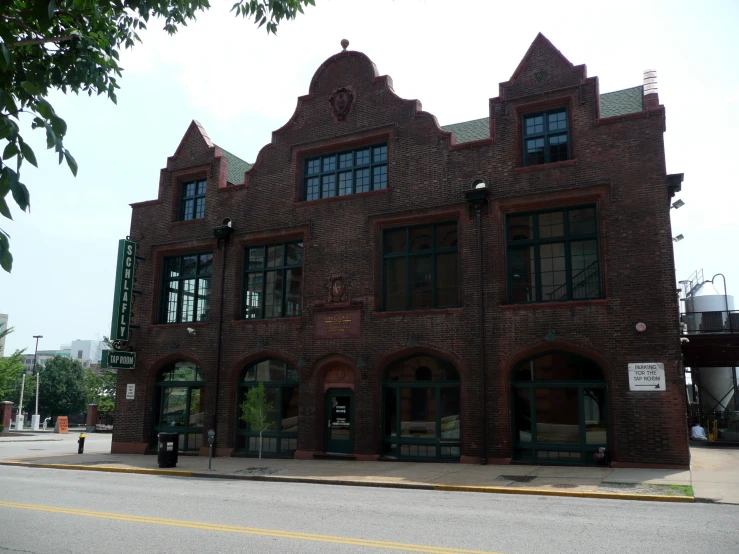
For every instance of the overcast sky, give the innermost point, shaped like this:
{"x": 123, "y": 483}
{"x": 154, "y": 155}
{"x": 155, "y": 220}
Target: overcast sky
{"x": 242, "y": 84}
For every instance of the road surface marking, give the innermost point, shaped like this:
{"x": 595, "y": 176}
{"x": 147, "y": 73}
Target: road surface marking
{"x": 367, "y": 543}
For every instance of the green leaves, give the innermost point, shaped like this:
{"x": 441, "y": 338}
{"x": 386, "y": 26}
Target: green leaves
{"x": 28, "y": 153}
{"x": 74, "y": 46}
{"x": 10, "y": 150}
{"x": 70, "y": 162}
{"x": 30, "y": 88}
{"x": 6, "y": 259}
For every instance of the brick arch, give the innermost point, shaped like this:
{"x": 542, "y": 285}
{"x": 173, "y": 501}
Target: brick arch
{"x": 410, "y": 351}
{"x": 511, "y": 360}
{"x": 176, "y": 357}
{"x": 326, "y": 363}
{"x": 256, "y": 356}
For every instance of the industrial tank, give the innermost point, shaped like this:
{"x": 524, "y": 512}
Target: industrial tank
{"x": 705, "y": 312}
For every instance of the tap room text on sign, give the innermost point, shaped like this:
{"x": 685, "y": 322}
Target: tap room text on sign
{"x": 647, "y": 377}
{"x": 123, "y": 296}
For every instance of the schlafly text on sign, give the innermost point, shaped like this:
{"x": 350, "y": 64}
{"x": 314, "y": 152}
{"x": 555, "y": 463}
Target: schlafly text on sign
{"x": 119, "y": 327}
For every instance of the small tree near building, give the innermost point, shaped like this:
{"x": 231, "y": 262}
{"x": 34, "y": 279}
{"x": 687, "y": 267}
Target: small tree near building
{"x": 255, "y": 412}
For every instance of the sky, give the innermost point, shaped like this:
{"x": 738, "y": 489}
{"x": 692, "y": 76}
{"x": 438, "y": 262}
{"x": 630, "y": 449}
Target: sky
{"x": 241, "y": 84}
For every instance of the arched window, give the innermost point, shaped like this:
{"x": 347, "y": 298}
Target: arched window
{"x": 559, "y": 409}
{"x": 179, "y": 404}
{"x": 280, "y": 381}
{"x": 421, "y": 409}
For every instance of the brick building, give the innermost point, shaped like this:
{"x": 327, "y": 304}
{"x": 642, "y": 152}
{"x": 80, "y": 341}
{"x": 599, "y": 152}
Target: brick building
{"x": 405, "y": 290}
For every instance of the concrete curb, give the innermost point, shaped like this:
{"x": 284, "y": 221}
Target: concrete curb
{"x": 374, "y": 484}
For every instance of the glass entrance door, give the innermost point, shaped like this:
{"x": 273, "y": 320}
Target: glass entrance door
{"x": 339, "y": 412}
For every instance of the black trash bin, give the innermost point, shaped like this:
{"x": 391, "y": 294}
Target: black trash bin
{"x": 167, "y": 449}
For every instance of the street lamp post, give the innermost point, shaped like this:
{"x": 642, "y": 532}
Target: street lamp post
{"x": 35, "y": 417}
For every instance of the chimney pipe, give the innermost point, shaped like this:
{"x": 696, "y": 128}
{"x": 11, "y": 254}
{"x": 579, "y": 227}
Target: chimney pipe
{"x": 651, "y": 92}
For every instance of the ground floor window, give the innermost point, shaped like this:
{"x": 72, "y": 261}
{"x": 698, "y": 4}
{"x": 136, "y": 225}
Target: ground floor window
{"x": 421, "y": 410}
{"x": 559, "y": 409}
{"x": 179, "y": 404}
{"x": 280, "y": 381}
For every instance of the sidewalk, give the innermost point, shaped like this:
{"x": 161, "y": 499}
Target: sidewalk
{"x": 628, "y": 484}
{"x": 30, "y": 436}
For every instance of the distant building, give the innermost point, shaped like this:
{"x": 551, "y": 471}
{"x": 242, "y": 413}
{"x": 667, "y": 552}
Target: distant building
{"x": 42, "y": 357}
{"x": 3, "y": 326}
{"x": 87, "y": 352}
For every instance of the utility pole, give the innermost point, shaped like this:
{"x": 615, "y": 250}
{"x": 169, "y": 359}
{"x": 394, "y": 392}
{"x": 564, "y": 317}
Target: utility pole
{"x": 35, "y": 418}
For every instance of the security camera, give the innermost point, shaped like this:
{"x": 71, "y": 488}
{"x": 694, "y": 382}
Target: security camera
{"x": 191, "y": 331}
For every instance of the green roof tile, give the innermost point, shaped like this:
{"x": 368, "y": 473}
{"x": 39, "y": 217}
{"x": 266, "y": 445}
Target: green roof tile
{"x": 621, "y": 102}
{"x": 477, "y": 129}
{"x": 236, "y": 167}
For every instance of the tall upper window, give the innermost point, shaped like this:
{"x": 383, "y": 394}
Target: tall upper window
{"x": 192, "y": 204}
{"x": 273, "y": 280}
{"x": 553, "y": 255}
{"x": 350, "y": 172}
{"x": 186, "y": 288}
{"x": 420, "y": 267}
{"x": 546, "y": 137}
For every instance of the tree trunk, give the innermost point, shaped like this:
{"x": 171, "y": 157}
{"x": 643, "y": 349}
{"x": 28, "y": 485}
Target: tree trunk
{"x": 260, "y": 444}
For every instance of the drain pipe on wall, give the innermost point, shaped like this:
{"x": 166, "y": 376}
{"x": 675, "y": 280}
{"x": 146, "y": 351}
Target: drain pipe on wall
{"x": 222, "y": 234}
{"x": 477, "y": 198}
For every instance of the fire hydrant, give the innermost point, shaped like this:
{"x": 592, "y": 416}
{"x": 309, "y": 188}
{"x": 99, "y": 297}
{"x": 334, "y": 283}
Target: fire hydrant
{"x": 81, "y": 442}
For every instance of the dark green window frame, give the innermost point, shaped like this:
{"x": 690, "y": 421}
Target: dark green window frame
{"x": 186, "y": 282}
{"x": 187, "y": 376}
{"x": 546, "y": 137}
{"x": 192, "y": 201}
{"x": 279, "y": 266}
{"x": 284, "y": 379}
{"x": 532, "y": 250}
{"x": 534, "y": 450}
{"x": 348, "y": 172}
{"x": 441, "y": 247}
{"x": 443, "y": 448}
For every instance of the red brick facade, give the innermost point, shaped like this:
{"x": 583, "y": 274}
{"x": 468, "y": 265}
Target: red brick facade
{"x": 617, "y": 163}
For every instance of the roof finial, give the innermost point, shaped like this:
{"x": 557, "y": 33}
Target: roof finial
{"x": 344, "y": 44}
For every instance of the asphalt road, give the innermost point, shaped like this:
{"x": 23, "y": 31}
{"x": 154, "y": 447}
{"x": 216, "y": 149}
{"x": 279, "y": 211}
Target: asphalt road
{"x": 49, "y": 511}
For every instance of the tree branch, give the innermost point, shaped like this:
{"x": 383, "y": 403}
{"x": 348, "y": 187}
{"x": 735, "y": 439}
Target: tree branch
{"x": 31, "y": 41}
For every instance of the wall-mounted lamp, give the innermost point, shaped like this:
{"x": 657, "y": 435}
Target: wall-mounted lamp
{"x": 361, "y": 363}
{"x": 678, "y": 238}
{"x": 550, "y": 336}
{"x": 301, "y": 362}
{"x": 677, "y": 204}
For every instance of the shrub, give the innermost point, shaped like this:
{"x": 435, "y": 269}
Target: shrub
{"x": 2, "y": 427}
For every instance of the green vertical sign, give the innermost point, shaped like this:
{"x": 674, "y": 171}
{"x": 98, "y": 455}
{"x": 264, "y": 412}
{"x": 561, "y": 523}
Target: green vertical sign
{"x": 123, "y": 290}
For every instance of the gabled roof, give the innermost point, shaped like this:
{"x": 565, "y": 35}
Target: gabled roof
{"x": 236, "y": 167}
{"x": 620, "y": 102}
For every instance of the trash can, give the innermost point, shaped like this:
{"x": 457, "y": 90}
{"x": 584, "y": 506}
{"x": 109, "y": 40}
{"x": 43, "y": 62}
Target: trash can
{"x": 167, "y": 449}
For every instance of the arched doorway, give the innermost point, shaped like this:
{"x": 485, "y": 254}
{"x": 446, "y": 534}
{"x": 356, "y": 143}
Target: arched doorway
{"x": 421, "y": 408}
{"x": 280, "y": 381}
{"x": 559, "y": 409}
{"x": 179, "y": 404}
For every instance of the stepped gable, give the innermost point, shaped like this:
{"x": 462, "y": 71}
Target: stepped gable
{"x": 542, "y": 69}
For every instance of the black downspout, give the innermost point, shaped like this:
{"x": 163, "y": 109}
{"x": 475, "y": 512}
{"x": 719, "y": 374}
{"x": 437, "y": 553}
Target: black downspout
{"x": 477, "y": 198}
{"x": 481, "y": 319}
{"x": 222, "y": 234}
